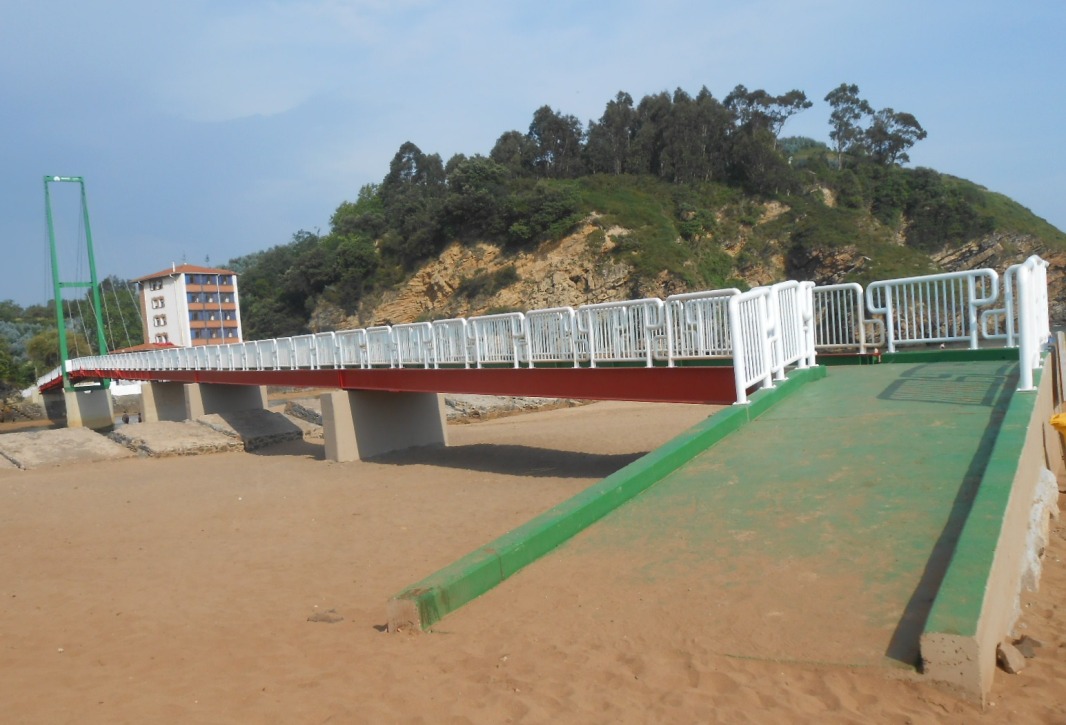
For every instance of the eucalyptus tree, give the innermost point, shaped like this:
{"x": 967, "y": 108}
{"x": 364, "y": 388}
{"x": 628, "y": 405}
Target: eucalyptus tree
{"x": 848, "y": 112}
{"x": 759, "y": 111}
{"x": 610, "y": 139}
{"x": 515, "y": 151}
{"x": 890, "y": 135}
{"x": 695, "y": 141}
{"x": 557, "y": 142}
{"x": 650, "y": 128}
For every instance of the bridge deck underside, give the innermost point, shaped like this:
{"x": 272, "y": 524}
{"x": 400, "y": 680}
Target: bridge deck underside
{"x": 818, "y": 532}
{"x": 697, "y": 384}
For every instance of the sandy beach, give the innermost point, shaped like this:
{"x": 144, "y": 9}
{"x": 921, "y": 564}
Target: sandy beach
{"x": 252, "y": 588}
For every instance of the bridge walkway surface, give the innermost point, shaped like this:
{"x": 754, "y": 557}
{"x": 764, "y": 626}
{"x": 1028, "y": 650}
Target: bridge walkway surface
{"x": 817, "y": 532}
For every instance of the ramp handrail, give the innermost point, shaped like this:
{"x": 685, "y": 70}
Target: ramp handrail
{"x": 1033, "y": 324}
{"x": 840, "y": 320}
{"x": 750, "y": 328}
{"x": 933, "y": 308}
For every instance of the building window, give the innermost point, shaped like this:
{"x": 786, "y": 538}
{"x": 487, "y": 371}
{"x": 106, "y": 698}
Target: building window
{"x": 160, "y": 320}
{"x": 162, "y": 338}
{"x": 155, "y": 284}
{"x": 157, "y": 303}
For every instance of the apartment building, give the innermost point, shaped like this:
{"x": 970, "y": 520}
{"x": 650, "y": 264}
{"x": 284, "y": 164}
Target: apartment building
{"x": 188, "y": 306}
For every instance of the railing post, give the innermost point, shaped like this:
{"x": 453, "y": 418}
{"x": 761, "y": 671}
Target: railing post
{"x": 740, "y": 374}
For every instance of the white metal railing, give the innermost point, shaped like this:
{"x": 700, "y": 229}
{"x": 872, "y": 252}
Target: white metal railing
{"x": 751, "y": 329}
{"x": 840, "y": 320}
{"x": 380, "y": 348}
{"x": 1034, "y": 329}
{"x": 498, "y": 339}
{"x": 763, "y": 331}
{"x": 552, "y": 337}
{"x": 627, "y": 331}
{"x": 413, "y": 344}
{"x": 699, "y": 325}
{"x": 451, "y": 342}
{"x": 934, "y": 308}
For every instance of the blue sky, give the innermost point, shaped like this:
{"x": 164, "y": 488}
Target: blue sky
{"x": 216, "y": 128}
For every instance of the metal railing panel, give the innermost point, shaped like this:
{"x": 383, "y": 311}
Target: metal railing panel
{"x": 304, "y": 352}
{"x": 351, "y": 345}
{"x": 751, "y": 334}
{"x": 380, "y": 348}
{"x": 840, "y": 317}
{"x": 627, "y": 331}
{"x": 551, "y": 336}
{"x": 698, "y": 325}
{"x": 933, "y": 308}
{"x": 791, "y": 317}
{"x": 451, "y": 342}
{"x": 327, "y": 354}
{"x": 498, "y": 338}
{"x": 414, "y": 344}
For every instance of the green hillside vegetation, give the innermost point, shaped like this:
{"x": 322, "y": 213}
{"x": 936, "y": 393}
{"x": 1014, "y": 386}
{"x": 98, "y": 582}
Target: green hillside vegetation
{"x": 689, "y": 179}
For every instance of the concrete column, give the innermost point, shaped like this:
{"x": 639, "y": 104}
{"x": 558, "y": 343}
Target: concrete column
{"x": 360, "y": 424}
{"x": 55, "y": 405}
{"x": 90, "y": 409}
{"x": 206, "y": 398}
{"x": 163, "y": 401}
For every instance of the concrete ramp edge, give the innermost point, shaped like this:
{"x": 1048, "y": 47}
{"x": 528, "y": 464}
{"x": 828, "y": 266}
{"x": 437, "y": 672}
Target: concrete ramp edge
{"x": 977, "y": 603}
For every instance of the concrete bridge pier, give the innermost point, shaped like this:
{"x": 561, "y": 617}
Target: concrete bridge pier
{"x": 92, "y": 408}
{"x": 163, "y": 401}
{"x": 359, "y": 424}
{"x": 181, "y": 401}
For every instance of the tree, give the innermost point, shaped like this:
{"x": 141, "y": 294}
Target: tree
{"x": 651, "y": 124}
{"x": 515, "y": 151}
{"x": 890, "y": 135}
{"x": 848, "y": 111}
{"x": 43, "y": 348}
{"x": 412, "y": 195}
{"x": 609, "y": 139}
{"x": 477, "y": 192}
{"x": 695, "y": 139}
{"x": 758, "y": 110}
{"x": 557, "y": 144}
{"x": 365, "y": 216}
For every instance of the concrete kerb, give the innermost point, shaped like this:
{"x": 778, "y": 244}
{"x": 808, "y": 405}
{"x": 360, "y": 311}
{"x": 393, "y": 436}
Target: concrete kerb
{"x": 426, "y": 602}
{"x": 976, "y": 603}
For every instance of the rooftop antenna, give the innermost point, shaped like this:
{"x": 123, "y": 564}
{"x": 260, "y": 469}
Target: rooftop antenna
{"x": 58, "y": 285}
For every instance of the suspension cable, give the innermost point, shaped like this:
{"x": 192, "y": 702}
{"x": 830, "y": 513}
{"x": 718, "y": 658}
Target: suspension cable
{"x": 121, "y": 316}
{"x": 107, "y": 318}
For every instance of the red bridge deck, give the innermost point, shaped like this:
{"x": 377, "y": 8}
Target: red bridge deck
{"x": 697, "y": 384}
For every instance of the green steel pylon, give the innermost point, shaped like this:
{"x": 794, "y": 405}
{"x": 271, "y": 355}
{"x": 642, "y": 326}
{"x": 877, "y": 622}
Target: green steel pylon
{"x": 58, "y": 285}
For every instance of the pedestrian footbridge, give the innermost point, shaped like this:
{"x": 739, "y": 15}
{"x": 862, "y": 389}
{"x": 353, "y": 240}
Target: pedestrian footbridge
{"x": 907, "y": 493}
{"x": 716, "y": 346}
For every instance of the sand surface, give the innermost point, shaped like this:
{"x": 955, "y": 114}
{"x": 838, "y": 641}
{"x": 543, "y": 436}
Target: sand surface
{"x": 200, "y": 589}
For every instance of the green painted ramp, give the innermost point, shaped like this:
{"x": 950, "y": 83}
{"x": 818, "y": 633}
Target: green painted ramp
{"x": 817, "y": 532}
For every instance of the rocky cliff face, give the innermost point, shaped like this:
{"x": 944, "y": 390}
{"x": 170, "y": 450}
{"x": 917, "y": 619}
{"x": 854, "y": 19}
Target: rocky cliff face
{"x": 580, "y": 269}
